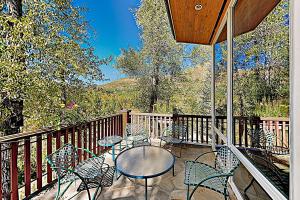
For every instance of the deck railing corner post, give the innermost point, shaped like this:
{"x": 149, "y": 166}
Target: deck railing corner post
{"x": 125, "y": 118}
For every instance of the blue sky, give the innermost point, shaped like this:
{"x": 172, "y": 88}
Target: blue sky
{"x": 115, "y": 28}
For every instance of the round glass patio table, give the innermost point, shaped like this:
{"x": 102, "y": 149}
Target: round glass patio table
{"x": 144, "y": 162}
{"x": 111, "y": 141}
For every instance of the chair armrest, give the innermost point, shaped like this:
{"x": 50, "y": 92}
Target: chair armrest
{"x": 216, "y": 176}
{"x": 62, "y": 168}
{"x": 106, "y": 167}
{"x": 86, "y": 150}
{"x": 68, "y": 170}
{"x": 204, "y": 154}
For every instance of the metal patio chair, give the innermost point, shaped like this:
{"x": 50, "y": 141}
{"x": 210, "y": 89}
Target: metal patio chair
{"x": 173, "y": 135}
{"x": 279, "y": 178}
{"x": 93, "y": 172}
{"x": 200, "y": 174}
{"x": 264, "y": 140}
{"x": 136, "y": 135}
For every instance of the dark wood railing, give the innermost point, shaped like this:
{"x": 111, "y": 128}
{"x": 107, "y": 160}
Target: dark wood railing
{"x": 29, "y": 172}
{"x": 198, "y": 127}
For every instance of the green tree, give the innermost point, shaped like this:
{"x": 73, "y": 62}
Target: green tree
{"x": 45, "y": 62}
{"x": 158, "y": 64}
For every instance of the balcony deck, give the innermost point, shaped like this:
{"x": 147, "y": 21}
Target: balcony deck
{"x": 165, "y": 187}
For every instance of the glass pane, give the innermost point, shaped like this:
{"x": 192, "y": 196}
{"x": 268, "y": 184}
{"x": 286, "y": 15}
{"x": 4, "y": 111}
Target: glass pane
{"x": 221, "y": 88}
{"x": 261, "y": 97}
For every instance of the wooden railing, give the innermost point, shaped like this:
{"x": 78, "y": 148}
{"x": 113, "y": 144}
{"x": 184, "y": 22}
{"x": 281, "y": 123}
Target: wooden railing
{"x": 198, "y": 127}
{"x": 153, "y": 123}
{"x": 243, "y": 126}
{"x": 26, "y": 152}
{"x": 29, "y": 172}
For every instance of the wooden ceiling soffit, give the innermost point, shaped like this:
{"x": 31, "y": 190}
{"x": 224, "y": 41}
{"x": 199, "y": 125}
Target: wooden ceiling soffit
{"x": 190, "y": 25}
{"x": 248, "y": 14}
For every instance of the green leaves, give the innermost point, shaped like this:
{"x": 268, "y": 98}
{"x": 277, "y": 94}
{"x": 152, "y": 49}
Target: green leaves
{"x": 160, "y": 60}
{"x": 45, "y": 59}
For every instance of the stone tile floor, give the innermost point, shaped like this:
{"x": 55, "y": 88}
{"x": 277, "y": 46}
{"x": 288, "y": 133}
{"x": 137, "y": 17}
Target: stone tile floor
{"x": 165, "y": 187}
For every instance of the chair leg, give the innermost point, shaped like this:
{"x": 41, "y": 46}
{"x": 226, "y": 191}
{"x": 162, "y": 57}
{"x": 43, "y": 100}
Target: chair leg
{"x": 58, "y": 189}
{"x": 245, "y": 190}
{"x": 188, "y": 192}
{"x": 160, "y": 143}
{"x": 62, "y": 194}
{"x": 96, "y": 193}
{"x": 126, "y": 144}
{"x": 225, "y": 197}
{"x": 180, "y": 151}
{"x": 225, "y": 194}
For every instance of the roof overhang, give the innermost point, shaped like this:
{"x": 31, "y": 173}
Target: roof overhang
{"x": 192, "y": 23}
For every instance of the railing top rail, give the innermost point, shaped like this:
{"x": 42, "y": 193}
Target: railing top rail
{"x": 283, "y": 119}
{"x": 151, "y": 114}
{"x": 19, "y": 136}
{"x": 194, "y": 116}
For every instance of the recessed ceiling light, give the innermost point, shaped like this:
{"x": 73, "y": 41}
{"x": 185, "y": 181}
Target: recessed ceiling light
{"x": 198, "y": 7}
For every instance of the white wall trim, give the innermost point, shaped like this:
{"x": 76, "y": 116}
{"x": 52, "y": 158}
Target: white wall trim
{"x": 220, "y": 134}
{"x": 171, "y": 19}
{"x": 212, "y": 88}
{"x": 223, "y": 22}
{"x": 295, "y": 99}
{"x": 230, "y": 19}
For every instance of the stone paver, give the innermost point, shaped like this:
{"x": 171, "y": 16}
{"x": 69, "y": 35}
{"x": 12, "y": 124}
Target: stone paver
{"x": 165, "y": 187}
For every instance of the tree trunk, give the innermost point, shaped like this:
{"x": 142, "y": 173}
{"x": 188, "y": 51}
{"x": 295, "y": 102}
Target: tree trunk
{"x": 14, "y": 121}
{"x": 64, "y": 102}
{"x": 154, "y": 92}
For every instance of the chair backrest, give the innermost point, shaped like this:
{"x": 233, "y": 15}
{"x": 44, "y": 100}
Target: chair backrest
{"x": 63, "y": 158}
{"x": 262, "y": 138}
{"x": 135, "y": 129}
{"x": 269, "y": 137}
{"x": 176, "y": 131}
{"x": 258, "y": 139}
{"x": 226, "y": 161}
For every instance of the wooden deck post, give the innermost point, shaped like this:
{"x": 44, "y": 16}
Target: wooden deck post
{"x": 125, "y": 119}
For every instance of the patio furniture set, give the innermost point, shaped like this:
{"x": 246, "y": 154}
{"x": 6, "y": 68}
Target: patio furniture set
{"x": 136, "y": 161}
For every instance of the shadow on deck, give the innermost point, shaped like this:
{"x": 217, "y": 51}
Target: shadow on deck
{"x": 165, "y": 187}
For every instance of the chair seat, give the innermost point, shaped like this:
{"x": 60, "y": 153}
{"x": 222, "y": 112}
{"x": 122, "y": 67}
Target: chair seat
{"x": 195, "y": 172}
{"x": 141, "y": 143}
{"x": 87, "y": 169}
{"x": 90, "y": 168}
{"x": 103, "y": 180}
{"x": 139, "y": 137}
{"x": 170, "y": 139}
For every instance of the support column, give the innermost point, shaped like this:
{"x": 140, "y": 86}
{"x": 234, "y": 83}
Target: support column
{"x": 125, "y": 119}
{"x": 295, "y": 99}
{"x": 230, "y": 75}
{"x": 213, "y": 116}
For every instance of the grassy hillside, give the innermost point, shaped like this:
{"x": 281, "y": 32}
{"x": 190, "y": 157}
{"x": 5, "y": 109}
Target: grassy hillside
{"x": 119, "y": 85}
{"x": 188, "y": 97}
{"x": 192, "y": 95}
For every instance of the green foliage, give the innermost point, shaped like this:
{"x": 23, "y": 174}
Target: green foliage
{"x": 46, "y": 60}
{"x": 192, "y": 94}
{"x": 159, "y": 64}
{"x": 261, "y": 74}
